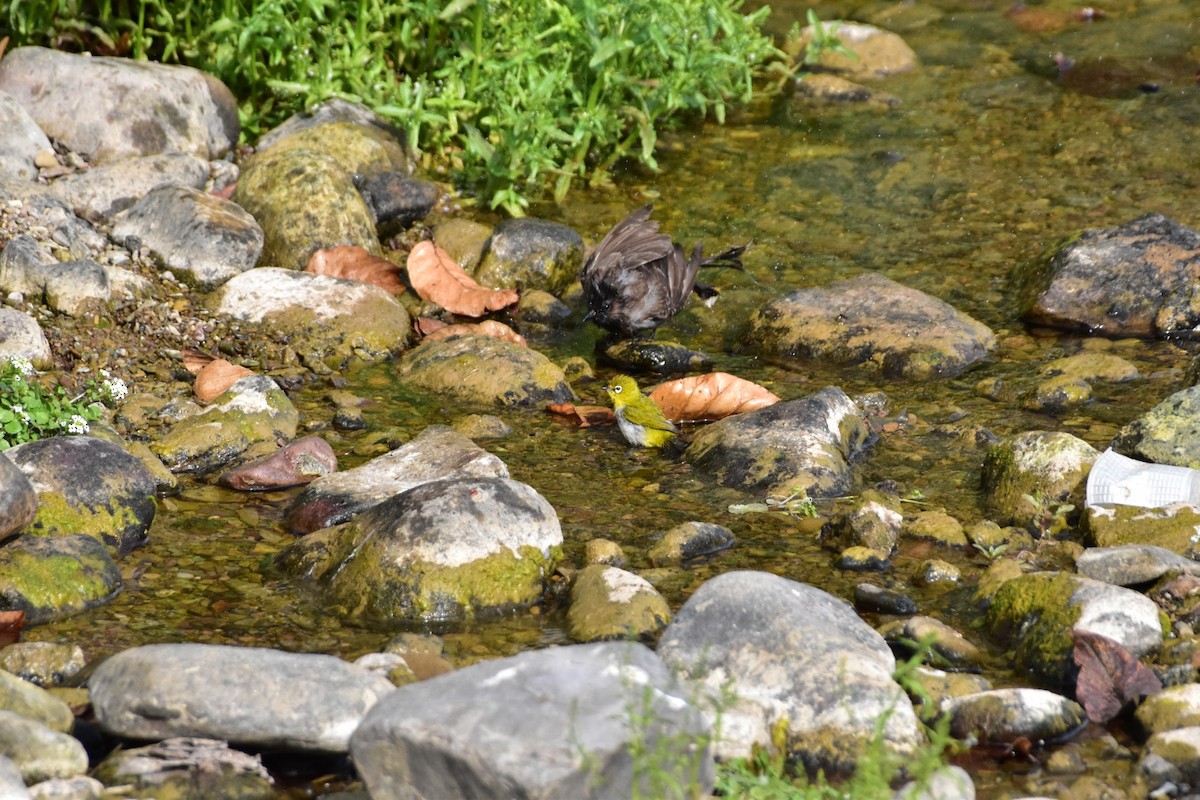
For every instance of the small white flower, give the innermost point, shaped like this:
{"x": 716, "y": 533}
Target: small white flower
{"x": 115, "y": 388}
{"x": 77, "y": 425}
{"x": 23, "y": 366}
{"x": 21, "y": 412}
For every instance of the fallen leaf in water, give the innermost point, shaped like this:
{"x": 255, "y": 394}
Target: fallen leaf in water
{"x": 583, "y": 416}
{"x": 1109, "y": 676}
{"x": 708, "y": 397}
{"x": 489, "y": 327}
{"x": 436, "y": 277}
{"x": 11, "y": 623}
{"x": 355, "y": 263}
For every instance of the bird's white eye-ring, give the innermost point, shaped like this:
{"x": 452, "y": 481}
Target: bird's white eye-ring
{"x": 616, "y": 390}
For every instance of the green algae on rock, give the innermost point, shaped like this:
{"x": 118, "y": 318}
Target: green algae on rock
{"x": 51, "y": 578}
{"x": 1166, "y": 434}
{"x": 485, "y": 370}
{"x": 610, "y": 603}
{"x": 446, "y": 549}
{"x": 1028, "y": 477}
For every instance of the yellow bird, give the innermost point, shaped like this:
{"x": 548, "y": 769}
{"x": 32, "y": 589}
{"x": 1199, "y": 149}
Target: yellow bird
{"x": 640, "y": 419}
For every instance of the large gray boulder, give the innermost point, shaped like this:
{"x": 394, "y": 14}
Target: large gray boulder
{"x": 585, "y": 722}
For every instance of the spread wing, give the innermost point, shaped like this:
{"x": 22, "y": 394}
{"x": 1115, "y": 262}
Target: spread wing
{"x": 681, "y": 275}
{"x": 632, "y": 242}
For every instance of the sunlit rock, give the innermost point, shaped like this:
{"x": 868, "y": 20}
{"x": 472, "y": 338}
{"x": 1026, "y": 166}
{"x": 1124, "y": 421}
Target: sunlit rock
{"x": 610, "y": 603}
{"x": 33, "y": 702}
{"x": 1172, "y": 708}
{"x": 873, "y": 321}
{"x": 21, "y": 335}
{"x": 252, "y": 696}
{"x": 787, "y": 447}
{"x": 486, "y": 370}
{"x": 69, "y": 287}
{"x": 294, "y": 464}
{"x": 554, "y": 723}
{"x": 531, "y": 253}
{"x": 136, "y": 107}
{"x": 1167, "y": 433}
{"x": 690, "y": 540}
{"x": 86, "y": 485}
{"x": 51, "y": 578}
{"x": 1003, "y": 715}
{"x": 1031, "y": 479}
{"x": 103, "y": 192}
{"x": 18, "y": 500}
{"x": 203, "y": 239}
{"x": 1034, "y": 614}
{"x": 1129, "y": 565}
{"x": 446, "y": 549}
{"x": 23, "y": 141}
{"x": 437, "y": 452}
{"x": 40, "y": 753}
{"x": 878, "y": 53}
{"x": 252, "y": 411}
{"x": 325, "y": 317}
{"x": 794, "y": 656}
{"x": 301, "y": 190}
{"x": 1134, "y": 279}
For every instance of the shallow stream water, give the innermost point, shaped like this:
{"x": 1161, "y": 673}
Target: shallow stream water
{"x": 988, "y": 160}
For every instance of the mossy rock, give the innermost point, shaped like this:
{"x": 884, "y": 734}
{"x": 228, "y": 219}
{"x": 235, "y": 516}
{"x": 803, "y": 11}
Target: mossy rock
{"x": 1034, "y": 473}
{"x": 50, "y": 579}
{"x": 610, "y": 603}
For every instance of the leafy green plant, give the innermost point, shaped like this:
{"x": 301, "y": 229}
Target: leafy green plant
{"x": 30, "y": 411}
{"x": 519, "y": 98}
{"x": 824, "y": 40}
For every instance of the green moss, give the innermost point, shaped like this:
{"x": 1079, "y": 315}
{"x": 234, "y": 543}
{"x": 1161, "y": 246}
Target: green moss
{"x": 56, "y": 516}
{"x": 1034, "y": 614}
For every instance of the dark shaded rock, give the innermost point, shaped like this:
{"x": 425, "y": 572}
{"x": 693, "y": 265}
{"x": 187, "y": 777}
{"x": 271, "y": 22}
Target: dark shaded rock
{"x": 136, "y": 108}
{"x": 437, "y": 452}
{"x": 1136, "y": 279}
{"x": 395, "y": 199}
{"x": 295, "y": 464}
{"x": 776, "y": 645}
{"x": 187, "y": 769}
{"x": 1129, "y": 76}
{"x": 253, "y": 696}
{"x": 51, "y": 578}
{"x": 446, "y": 549}
{"x": 647, "y": 355}
{"x": 89, "y": 486}
{"x": 483, "y": 369}
{"x": 545, "y": 724}
{"x": 876, "y": 322}
{"x": 18, "y": 500}
{"x": 203, "y": 239}
{"x": 868, "y": 597}
{"x": 805, "y": 444}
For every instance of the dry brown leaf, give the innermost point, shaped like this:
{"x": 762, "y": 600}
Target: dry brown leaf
{"x": 427, "y": 325}
{"x": 583, "y": 416}
{"x": 436, "y": 277}
{"x": 489, "y": 327}
{"x": 1110, "y": 677}
{"x": 11, "y": 623}
{"x": 354, "y": 263}
{"x": 703, "y": 398}
{"x": 195, "y": 360}
{"x": 215, "y": 377}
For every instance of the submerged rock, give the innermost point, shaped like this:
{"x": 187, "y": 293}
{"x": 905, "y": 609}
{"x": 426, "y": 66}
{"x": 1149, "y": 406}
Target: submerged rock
{"x": 873, "y": 321}
{"x": 51, "y": 578}
{"x": 89, "y": 486}
{"x": 483, "y": 369}
{"x": 690, "y": 540}
{"x": 446, "y": 549}
{"x": 252, "y": 696}
{"x": 1134, "y": 279}
{"x": 647, "y": 355}
{"x": 1027, "y": 478}
{"x": 587, "y": 721}
{"x": 878, "y": 53}
{"x": 777, "y": 645}
{"x": 805, "y": 444}
{"x": 187, "y": 767}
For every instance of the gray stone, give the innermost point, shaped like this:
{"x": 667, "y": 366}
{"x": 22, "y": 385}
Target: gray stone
{"x": 531, "y": 254}
{"x": 445, "y": 549}
{"x": 946, "y": 783}
{"x": 23, "y": 140}
{"x": 101, "y": 193}
{"x": 437, "y": 452}
{"x": 22, "y": 336}
{"x": 1126, "y": 565}
{"x": 39, "y": 752}
{"x": 203, "y": 239}
{"x": 18, "y": 500}
{"x": 790, "y": 446}
{"x": 555, "y": 723}
{"x": 1003, "y": 715}
{"x": 690, "y": 540}
{"x": 12, "y": 787}
{"x": 790, "y": 652}
{"x": 187, "y": 767}
{"x": 42, "y": 663}
{"x": 33, "y": 702}
{"x": 80, "y": 787}
{"x": 1167, "y": 433}
{"x": 135, "y": 108}
{"x": 251, "y": 696}
{"x": 483, "y": 369}
{"x": 1172, "y": 708}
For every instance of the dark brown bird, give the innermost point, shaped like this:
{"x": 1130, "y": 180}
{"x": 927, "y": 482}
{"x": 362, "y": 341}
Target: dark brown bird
{"x": 637, "y": 278}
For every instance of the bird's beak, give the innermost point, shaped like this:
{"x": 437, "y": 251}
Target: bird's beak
{"x": 589, "y": 315}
